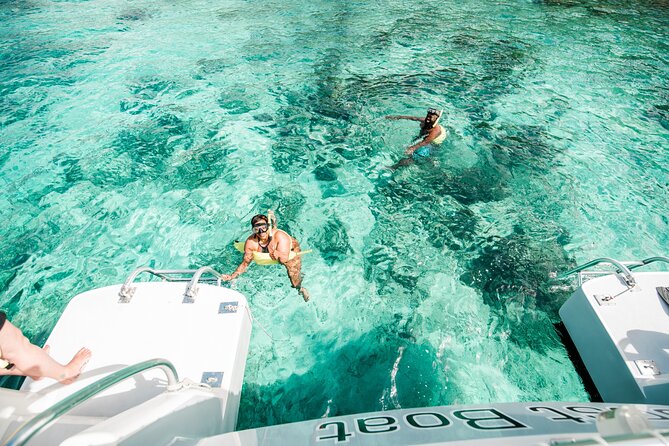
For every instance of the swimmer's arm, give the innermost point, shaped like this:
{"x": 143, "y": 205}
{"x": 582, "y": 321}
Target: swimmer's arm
{"x": 427, "y": 140}
{"x": 398, "y": 117}
{"x": 248, "y": 258}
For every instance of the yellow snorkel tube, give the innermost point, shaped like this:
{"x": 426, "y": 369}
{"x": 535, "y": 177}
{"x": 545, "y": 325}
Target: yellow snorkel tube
{"x": 263, "y": 258}
{"x": 439, "y": 117}
{"x": 272, "y": 220}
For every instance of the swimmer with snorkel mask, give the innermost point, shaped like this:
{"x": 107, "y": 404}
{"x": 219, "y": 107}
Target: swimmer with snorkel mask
{"x": 430, "y": 132}
{"x": 267, "y": 238}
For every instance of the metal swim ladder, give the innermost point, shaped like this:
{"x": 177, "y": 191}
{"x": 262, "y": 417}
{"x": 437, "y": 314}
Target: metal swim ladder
{"x": 44, "y": 419}
{"x": 192, "y": 276}
{"x": 625, "y": 268}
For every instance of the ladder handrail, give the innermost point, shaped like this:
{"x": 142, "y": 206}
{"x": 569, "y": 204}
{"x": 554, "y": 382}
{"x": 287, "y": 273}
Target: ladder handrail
{"x": 126, "y": 292}
{"x": 649, "y": 260}
{"x": 42, "y": 420}
{"x": 191, "y": 289}
{"x": 623, "y": 267}
{"x": 629, "y": 279}
{"x": 162, "y": 273}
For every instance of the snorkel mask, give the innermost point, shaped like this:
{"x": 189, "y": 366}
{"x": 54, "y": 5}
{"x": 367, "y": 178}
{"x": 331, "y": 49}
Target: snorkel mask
{"x": 260, "y": 224}
{"x": 260, "y": 228}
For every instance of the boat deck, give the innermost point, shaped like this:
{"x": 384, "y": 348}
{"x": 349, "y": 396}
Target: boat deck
{"x": 622, "y": 335}
{"x": 206, "y": 340}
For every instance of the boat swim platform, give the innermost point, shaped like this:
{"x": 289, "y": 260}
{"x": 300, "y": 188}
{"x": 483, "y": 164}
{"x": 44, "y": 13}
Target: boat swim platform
{"x": 206, "y": 336}
{"x": 621, "y": 331}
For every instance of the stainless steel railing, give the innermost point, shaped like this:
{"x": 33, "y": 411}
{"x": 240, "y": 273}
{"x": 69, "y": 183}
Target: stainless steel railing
{"x": 39, "y": 422}
{"x": 191, "y": 289}
{"x": 192, "y": 276}
{"x": 625, "y": 268}
{"x": 648, "y": 261}
{"x": 627, "y": 274}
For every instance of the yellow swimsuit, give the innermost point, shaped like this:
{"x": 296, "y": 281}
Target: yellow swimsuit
{"x": 443, "y": 133}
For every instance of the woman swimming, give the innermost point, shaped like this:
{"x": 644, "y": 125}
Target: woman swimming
{"x": 430, "y": 132}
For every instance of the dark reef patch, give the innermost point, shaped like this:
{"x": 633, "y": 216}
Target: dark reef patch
{"x": 206, "y": 67}
{"x": 455, "y": 228}
{"x": 481, "y": 184}
{"x": 352, "y": 372}
{"x": 289, "y": 154}
{"x": 71, "y": 169}
{"x": 18, "y": 6}
{"x": 146, "y": 95}
{"x": 524, "y": 148}
{"x": 559, "y": 3}
{"x": 237, "y": 101}
{"x": 204, "y": 165}
{"x": 134, "y": 15}
{"x": 11, "y": 261}
{"x": 150, "y": 145}
{"x": 515, "y": 266}
{"x": 332, "y": 241}
{"x": 328, "y": 182}
{"x": 661, "y": 114}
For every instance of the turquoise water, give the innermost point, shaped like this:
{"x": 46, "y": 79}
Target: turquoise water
{"x": 148, "y": 133}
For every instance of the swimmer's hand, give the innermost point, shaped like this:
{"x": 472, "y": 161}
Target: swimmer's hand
{"x": 393, "y": 117}
{"x": 228, "y": 277}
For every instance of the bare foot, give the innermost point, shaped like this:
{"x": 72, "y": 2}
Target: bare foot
{"x": 75, "y": 365}
{"x": 305, "y": 294}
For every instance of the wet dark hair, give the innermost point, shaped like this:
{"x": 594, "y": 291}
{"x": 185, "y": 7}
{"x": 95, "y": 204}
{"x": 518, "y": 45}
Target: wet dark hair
{"x": 257, "y": 218}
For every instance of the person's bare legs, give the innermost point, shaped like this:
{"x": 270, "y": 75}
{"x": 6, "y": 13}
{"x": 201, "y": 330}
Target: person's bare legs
{"x": 293, "y": 268}
{"x": 16, "y": 371}
{"x": 30, "y": 360}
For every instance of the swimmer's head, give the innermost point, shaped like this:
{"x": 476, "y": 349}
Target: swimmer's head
{"x": 432, "y": 117}
{"x": 258, "y": 218}
{"x": 259, "y": 223}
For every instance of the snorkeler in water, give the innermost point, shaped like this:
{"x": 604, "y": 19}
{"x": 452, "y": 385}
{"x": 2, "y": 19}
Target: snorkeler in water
{"x": 267, "y": 238}
{"x": 430, "y": 132}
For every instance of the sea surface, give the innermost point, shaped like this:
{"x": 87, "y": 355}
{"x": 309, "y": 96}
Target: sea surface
{"x": 149, "y": 133}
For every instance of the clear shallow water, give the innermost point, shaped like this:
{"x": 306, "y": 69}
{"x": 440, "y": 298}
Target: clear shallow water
{"x": 138, "y": 133}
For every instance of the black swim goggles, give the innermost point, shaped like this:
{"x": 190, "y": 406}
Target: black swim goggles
{"x": 433, "y": 111}
{"x": 260, "y": 228}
